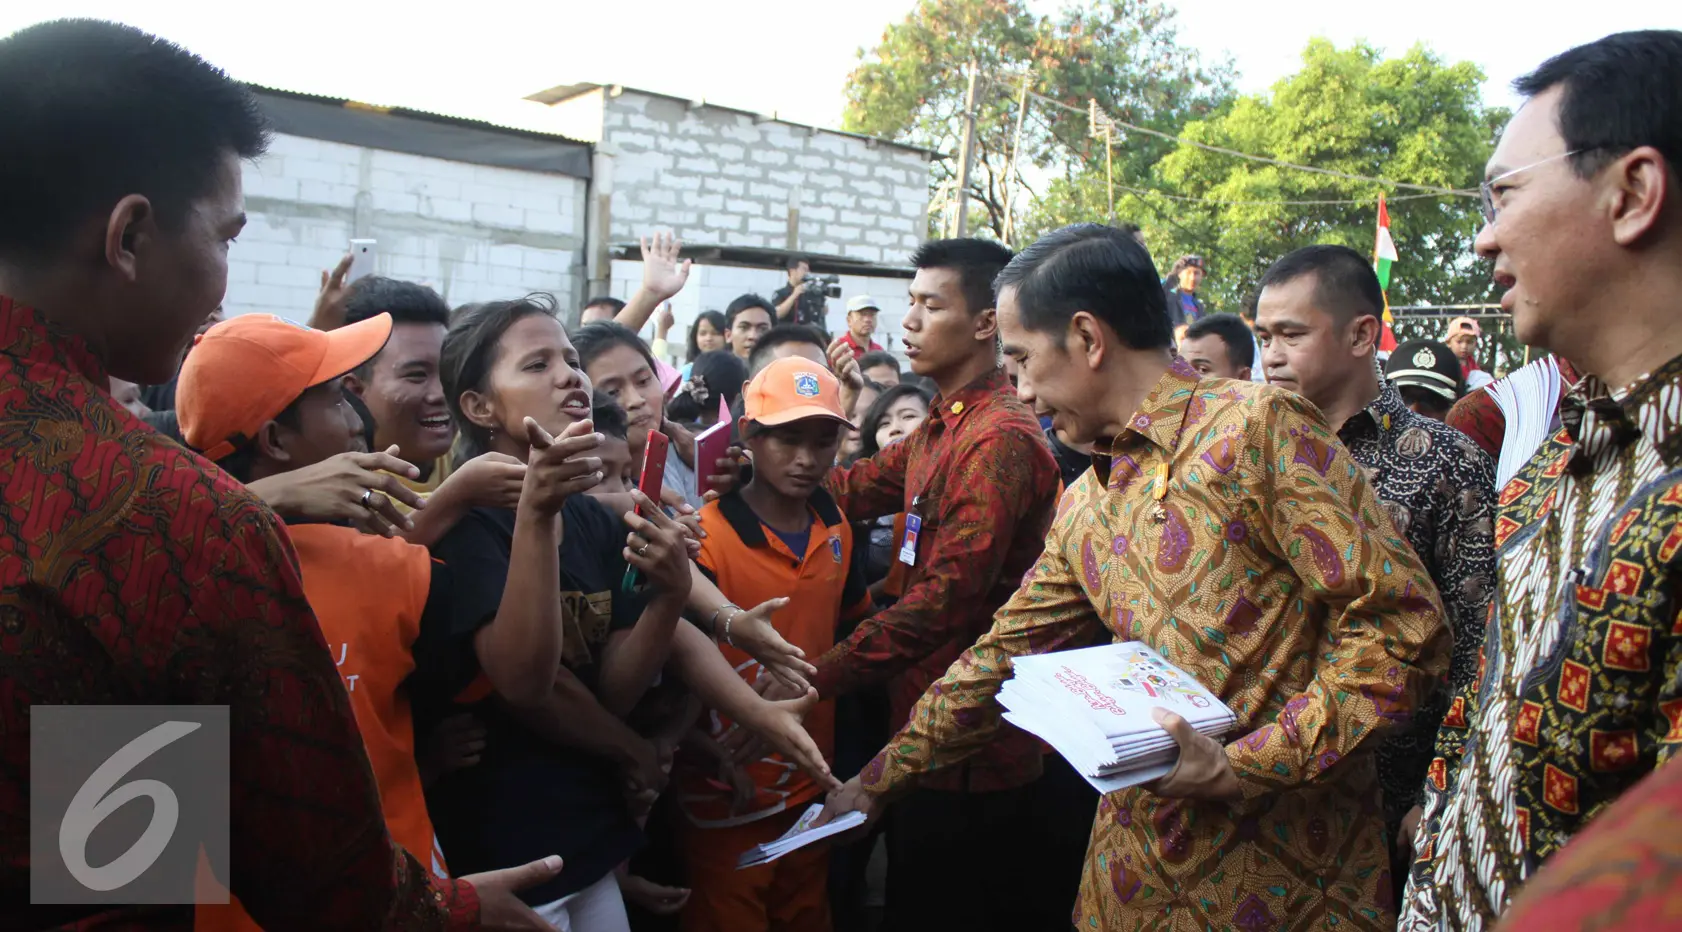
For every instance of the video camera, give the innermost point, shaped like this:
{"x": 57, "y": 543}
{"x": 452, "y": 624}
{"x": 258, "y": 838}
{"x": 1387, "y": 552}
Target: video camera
{"x": 827, "y": 285}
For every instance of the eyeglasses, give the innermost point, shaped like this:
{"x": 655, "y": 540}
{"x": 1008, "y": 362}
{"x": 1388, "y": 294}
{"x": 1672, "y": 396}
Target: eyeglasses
{"x": 1486, "y": 191}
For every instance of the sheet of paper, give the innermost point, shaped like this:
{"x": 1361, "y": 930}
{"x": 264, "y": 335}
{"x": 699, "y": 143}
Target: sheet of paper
{"x": 799, "y": 836}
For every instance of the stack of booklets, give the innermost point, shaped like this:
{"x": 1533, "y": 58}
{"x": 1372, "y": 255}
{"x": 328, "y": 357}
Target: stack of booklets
{"x": 1094, "y": 706}
{"x": 1528, "y": 399}
{"x": 799, "y": 836}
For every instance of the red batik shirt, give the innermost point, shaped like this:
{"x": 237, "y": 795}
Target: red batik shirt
{"x": 980, "y": 475}
{"x": 134, "y": 572}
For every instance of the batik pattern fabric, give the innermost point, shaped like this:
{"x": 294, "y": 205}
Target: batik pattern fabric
{"x": 979, "y": 475}
{"x": 1623, "y": 872}
{"x": 1439, "y": 489}
{"x": 135, "y": 572}
{"x": 1231, "y": 532}
{"x": 1577, "y": 695}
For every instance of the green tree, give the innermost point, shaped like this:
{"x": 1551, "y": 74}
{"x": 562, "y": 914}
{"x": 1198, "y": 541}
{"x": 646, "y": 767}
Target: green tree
{"x": 1412, "y": 119}
{"x": 1123, "y": 53}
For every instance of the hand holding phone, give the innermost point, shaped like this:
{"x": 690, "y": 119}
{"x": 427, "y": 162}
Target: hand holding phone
{"x": 710, "y": 447}
{"x": 361, "y": 259}
{"x": 653, "y": 477}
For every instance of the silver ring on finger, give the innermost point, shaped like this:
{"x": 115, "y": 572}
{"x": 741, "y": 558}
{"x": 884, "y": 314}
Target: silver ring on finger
{"x": 368, "y": 498}
{"x": 642, "y": 551}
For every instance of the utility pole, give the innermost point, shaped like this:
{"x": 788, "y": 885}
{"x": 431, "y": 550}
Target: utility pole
{"x": 1016, "y": 153}
{"x": 966, "y": 151}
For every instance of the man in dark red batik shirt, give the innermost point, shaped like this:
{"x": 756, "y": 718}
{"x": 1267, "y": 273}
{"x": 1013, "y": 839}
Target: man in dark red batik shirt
{"x": 135, "y": 572}
{"x": 978, "y": 485}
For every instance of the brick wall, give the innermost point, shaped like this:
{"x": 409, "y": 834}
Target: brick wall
{"x": 719, "y": 176}
{"x": 473, "y": 232}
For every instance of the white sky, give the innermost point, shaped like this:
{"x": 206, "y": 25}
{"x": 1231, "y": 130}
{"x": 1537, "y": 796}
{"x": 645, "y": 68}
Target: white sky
{"x": 786, "y": 56}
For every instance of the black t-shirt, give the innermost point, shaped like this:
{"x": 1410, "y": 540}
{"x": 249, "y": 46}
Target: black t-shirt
{"x": 527, "y": 797}
{"x": 812, "y": 308}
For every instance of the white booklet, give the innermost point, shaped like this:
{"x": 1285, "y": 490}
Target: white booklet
{"x": 799, "y": 836}
{"x": 1094, "y": 707}
{"x": 1528, "y": 399}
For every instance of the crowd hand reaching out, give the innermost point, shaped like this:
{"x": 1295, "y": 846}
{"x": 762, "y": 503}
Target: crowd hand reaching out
{"x": 499, "y": 908}
{"x": 490, "y": 480}
{"x": 687, "y": 518}
{"x": 663, "y": 321}
{"x": 662, "y": 274}
{"x": 658, "y": 546}
{"x": 751, "y": 631}
{"x": 329, "y": 313}
{"x": 358, "y": 488}
{"x": 847, "y": 371}
{"x": 727, "y": 472}
{"x": 779, "y": 724}
{"x": 559, "y": 467}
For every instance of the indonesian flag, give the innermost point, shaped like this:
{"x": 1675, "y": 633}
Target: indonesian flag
{"x": 1383, "y": 254}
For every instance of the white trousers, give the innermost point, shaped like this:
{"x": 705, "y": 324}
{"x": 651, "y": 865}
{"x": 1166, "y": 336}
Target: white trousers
{"x": 596, "y": 908}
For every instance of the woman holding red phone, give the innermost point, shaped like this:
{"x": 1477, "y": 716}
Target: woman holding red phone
{"x": 538, "y": 641}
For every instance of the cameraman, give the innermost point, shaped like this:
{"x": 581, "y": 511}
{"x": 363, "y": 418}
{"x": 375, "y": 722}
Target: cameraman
{"x": 799, "y": 301}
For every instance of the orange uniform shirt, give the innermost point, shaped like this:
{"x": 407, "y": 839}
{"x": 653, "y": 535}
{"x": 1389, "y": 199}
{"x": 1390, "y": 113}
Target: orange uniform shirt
{"x": 368, "y": 593}
{"x": 751, "y": 564}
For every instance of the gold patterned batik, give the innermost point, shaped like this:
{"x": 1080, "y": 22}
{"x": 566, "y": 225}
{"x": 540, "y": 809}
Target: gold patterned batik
{"x": 1232, "y": 533}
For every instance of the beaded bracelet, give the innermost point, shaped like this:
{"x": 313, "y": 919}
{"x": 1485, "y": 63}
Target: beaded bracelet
{"x": 712, "y": 621}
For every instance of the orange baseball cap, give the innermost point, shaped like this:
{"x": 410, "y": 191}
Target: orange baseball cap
{"x": 792, "y": 389}
{"x": 243, "y": 372}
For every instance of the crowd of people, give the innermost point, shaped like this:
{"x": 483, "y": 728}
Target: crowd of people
{"x": 479, "y": 677}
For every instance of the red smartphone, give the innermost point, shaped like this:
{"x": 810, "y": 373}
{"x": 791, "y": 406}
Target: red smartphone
{"x": 653, "y": 466}
{"x": 710, "y": 447}
{"x": 653, "y": 476}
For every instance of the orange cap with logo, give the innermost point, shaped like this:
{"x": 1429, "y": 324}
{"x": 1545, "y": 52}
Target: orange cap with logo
{"x": 241, "y": 373}
{"x": 792, "y": 389}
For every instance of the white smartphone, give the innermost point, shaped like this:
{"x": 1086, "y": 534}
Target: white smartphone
{"x": 361, "y": 259}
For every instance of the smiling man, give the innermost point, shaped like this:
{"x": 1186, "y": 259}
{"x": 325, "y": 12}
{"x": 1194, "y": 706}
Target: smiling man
{"x": 1229, "y": 531}
{"x": 400, "y": 385}
{"x": 136, "y": 572}
{"x": 1576, "y": 697}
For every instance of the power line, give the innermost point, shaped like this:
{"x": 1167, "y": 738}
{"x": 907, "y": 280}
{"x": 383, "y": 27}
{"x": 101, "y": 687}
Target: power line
{"x": 1315, "y": 202}
{"x": 1432, "y": 189}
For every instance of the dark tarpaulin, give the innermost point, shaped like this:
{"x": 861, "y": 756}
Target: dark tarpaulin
{"x": 433, "y": 135}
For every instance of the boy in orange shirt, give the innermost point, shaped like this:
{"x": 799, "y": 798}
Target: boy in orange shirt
{"x": 262, "y": 396}
{"x": 780, "y": 535}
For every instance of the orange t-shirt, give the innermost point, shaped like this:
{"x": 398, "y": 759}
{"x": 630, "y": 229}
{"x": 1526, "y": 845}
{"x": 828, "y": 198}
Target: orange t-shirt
{"x": 751, "y": 564}
{"x": 368, "y": 593}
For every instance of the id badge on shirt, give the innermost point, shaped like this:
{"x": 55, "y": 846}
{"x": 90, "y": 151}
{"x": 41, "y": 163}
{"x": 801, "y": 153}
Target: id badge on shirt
{"x": 908, "y": 546}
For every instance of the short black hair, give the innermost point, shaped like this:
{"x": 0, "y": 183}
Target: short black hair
{"x": 610, "y": 419}
{"x": 745, "y": 302}
{"x": 605, "y": 301}
{"x": 876, "y": 358}
{"x": 1620, "y": 92}
{"x": 722, "y": 372}
{"x": 719, "y": 324}
{"x": 795, "y": 260}
{"x": 95, "y": 111}
{"x": 1094, "y": 268}
{"x": 470, "y": 351}
{"x": 977, "y": 261}
{"x": 406, "y": 302}
{"x": 1345, "y": 285}
{"x": 594, "y": 339}
{"x": 879, "y": 409}
{"x": 1240, "y": 343}
{"x": 1432, "y": 402}
{"x": 777, "y": 336}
